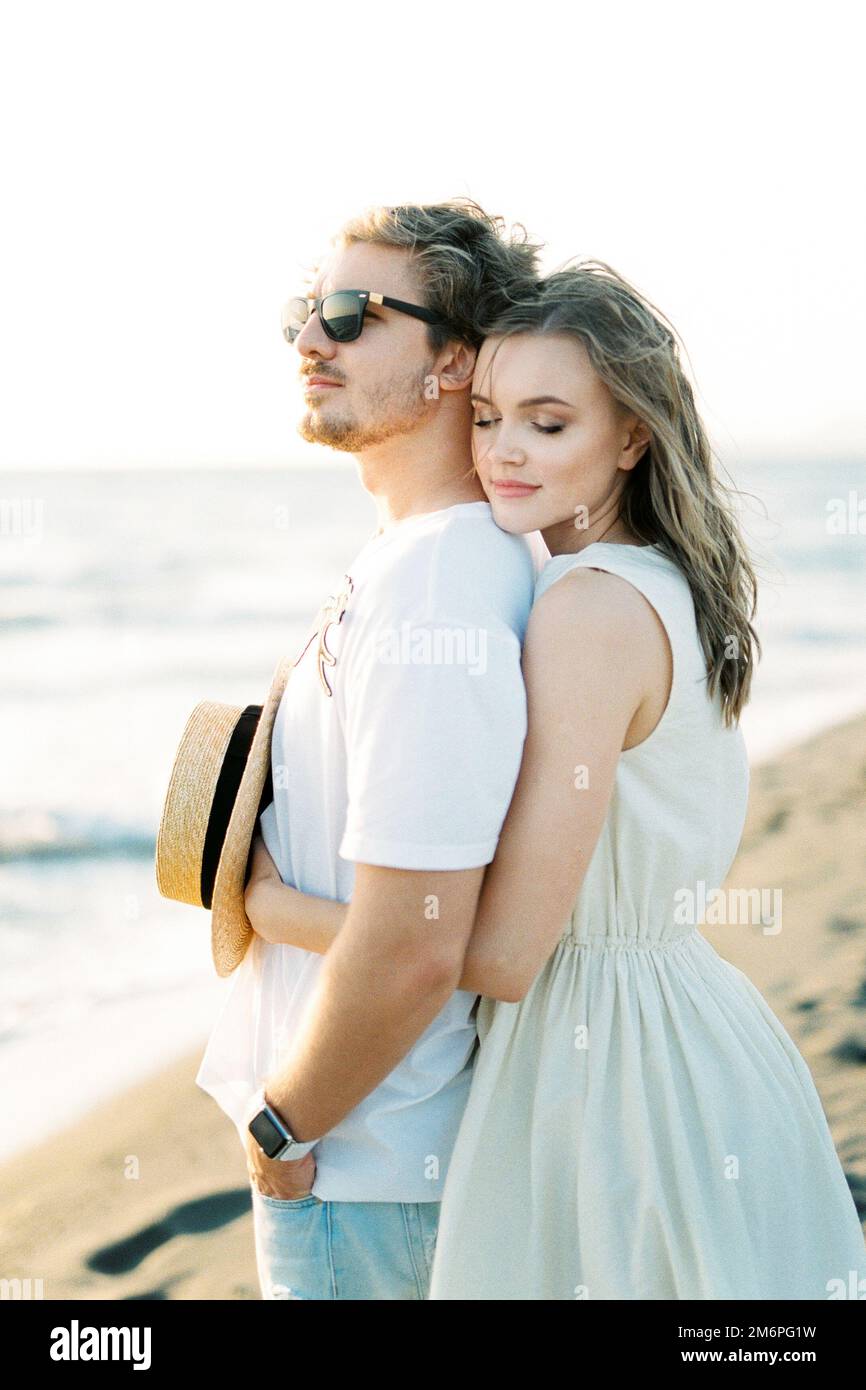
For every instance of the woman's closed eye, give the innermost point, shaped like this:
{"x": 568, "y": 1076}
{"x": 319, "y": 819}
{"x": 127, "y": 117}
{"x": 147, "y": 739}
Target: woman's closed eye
{"x": 544, "y": 429}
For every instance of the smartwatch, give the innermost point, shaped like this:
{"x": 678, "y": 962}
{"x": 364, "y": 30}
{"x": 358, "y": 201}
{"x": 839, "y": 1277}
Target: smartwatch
{"x": 272, "y": 1134}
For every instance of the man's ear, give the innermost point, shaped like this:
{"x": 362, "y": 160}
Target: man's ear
{"x": 456, "y": 366}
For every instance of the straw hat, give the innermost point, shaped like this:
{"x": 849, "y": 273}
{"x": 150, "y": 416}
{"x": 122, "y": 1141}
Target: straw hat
{"x": 220, "y": 783}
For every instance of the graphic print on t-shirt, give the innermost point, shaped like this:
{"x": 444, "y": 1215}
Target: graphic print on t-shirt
{"x": 330, "y": 613}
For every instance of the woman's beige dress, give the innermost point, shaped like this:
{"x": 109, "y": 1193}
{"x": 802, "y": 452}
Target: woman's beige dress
{"x": 640, "y": 1125}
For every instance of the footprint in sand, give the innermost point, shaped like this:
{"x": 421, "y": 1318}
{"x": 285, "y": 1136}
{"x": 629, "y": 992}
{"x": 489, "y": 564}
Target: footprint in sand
{"x": 845, "y": 925}
{"x": 188, "y": 1218}
{"x": 857, "y": 1183}
{"x": 850, "y": 1049}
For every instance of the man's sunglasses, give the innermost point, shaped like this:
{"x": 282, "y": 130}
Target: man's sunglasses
{"x": 342, "y": 313}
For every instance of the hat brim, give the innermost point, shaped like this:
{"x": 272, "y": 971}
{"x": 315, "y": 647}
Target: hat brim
{"x": 231, "y": 930}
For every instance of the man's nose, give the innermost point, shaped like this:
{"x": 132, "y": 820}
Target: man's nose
{"x": 313, "y": 341}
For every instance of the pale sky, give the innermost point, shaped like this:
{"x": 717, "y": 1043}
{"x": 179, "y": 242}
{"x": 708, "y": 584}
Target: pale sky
{"x": 168, "y": 168}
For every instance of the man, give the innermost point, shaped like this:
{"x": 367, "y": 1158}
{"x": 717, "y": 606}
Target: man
{"x": 395, "y": 752}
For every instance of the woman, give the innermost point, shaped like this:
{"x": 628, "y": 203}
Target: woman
{"x": 640, "y": 1125}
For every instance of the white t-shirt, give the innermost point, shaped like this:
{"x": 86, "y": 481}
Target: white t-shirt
{"x": 411, "y": 763}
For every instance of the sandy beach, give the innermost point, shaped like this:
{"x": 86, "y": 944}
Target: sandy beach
{"x": 147, "y": 1197}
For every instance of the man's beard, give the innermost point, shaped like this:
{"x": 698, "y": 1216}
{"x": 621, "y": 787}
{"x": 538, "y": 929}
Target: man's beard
{"x": 389, "y": 410}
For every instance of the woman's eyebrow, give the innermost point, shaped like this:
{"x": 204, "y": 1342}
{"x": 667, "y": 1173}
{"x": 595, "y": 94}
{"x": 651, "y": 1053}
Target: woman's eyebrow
{"x": 533, "y": 400}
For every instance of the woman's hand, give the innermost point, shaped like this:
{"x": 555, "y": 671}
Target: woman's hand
{"x": 281, "y": 914}
{"x": 262, "y": 866}
{"x": 263, "y": 877}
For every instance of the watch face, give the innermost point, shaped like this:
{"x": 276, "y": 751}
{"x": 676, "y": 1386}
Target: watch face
{"x": 267, "y": 1135}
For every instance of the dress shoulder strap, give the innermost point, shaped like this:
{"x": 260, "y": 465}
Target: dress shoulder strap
{"x": 664, "y": 586}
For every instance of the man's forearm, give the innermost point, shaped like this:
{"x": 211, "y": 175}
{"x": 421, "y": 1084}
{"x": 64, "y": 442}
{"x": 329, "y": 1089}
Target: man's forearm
{"x": 365, "y": 1016}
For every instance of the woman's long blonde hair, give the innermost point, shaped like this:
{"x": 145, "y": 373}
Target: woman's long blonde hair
{"x": 673, "y": 497}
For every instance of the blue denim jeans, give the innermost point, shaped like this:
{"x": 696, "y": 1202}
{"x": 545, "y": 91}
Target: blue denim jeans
{"x": 310, "y": 1249}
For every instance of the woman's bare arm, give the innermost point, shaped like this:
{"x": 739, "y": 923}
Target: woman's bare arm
{"x": 597, "y": 668}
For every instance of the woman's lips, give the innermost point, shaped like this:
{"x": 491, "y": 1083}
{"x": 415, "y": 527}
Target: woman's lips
{"x": 515, "y": 489}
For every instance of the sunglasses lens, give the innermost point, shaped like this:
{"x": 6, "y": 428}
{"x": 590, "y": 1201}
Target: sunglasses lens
{"x": 294, "y": 316}
{"x": 341, "y": 315}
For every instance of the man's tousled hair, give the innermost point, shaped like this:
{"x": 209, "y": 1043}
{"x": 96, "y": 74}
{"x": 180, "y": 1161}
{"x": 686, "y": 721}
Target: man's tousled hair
{"x": 472, "y": 265}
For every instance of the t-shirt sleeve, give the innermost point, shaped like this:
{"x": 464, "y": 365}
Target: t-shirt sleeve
{"x": 435, "y": 720}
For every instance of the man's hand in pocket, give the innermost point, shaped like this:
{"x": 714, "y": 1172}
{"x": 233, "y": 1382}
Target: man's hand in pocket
{"x": 274, "y": 1178}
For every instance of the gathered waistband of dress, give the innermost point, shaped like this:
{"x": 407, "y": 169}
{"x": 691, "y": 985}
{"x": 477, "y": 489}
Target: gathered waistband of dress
{"x": 610, "y": 942}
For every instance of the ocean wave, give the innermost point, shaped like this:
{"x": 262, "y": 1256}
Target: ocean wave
{"x": 29, "y": 834}
{"x": 28, "y": 620}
